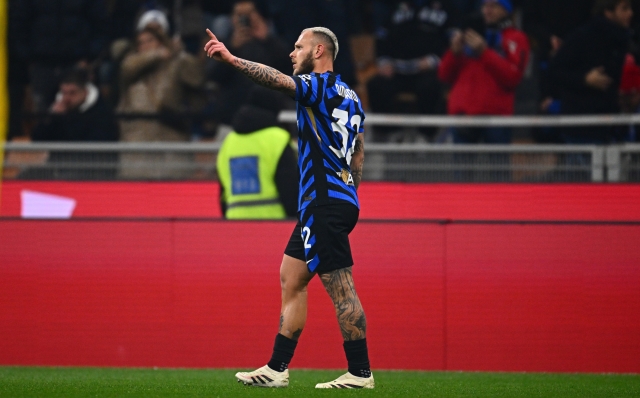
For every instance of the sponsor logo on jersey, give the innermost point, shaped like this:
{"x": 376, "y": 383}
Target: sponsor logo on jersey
{"x": 347, "y": 178}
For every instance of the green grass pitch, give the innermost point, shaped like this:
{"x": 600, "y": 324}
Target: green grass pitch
{"x": 124, "y": 382}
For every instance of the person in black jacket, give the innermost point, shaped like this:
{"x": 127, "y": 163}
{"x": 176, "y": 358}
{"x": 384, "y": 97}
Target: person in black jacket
{"x": 259, "y": 112}
{"x": 52, "y": 36}
{"x": 588, "y": 67}
{"x": 79, "y": 114}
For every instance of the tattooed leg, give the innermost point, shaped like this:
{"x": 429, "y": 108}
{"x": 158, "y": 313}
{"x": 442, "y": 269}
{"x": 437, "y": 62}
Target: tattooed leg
{"x": 351, "y": 318}
{"x": 294, "y": 278}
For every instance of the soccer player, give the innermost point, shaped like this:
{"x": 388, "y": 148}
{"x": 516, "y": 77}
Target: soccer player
{"x": 331, "y": 156}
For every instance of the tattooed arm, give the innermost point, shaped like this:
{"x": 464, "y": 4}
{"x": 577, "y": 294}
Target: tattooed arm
{"x": 266, "y": 76}
{"x": 259, "y": 73}
{"x": 357, "y": 160}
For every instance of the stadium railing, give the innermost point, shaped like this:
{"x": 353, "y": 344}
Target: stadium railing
{"x": 384, "y": 162}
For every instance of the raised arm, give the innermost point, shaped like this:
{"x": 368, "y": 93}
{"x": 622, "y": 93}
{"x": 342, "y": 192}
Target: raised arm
{"x": 261, "y": 74}
{"x": 357, "y": 160}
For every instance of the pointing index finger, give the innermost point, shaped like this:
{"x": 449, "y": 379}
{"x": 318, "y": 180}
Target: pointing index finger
{"x": 211, "y": 35}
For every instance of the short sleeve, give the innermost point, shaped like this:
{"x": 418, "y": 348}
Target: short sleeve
{"x": 308, "y": 89}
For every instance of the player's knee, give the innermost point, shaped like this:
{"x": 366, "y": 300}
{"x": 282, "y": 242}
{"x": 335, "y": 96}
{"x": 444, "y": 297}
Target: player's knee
{"x": 292, "y": 285}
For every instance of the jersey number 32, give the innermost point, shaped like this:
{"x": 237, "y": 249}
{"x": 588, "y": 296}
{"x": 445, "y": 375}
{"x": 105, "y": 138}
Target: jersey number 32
{"x": 340, "y": 127}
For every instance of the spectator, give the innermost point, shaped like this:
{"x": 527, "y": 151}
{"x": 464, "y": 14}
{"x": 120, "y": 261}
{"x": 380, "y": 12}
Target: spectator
{"x": 587, "y": 70}
{"x": 548, "y": 22}
{"x": 55, "y": 35}
{"x": 630, "y": 85}
{"x": 484, "y": 69}
{"x": 157, "y": 78}
{"x": 545, "y": 19}
{"x": 78, "y": 113}
{"x": 409, "y": 47}
{"x": 126, "y": 20}
{"x": 630, "y": 94}
{"x": 252, "y": 40}
{"x": 123, "y": 15}
{"x": 257, "y": 166}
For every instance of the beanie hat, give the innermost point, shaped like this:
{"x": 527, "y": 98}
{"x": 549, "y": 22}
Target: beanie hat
{"x": 506, "y": 4}
{"x": 153, "y": 16}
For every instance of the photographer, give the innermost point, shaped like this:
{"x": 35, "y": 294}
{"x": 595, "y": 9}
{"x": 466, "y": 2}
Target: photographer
{"x": 251, "y": 39}
{"x": 484, "y": 65}
{"x": 157, "y": 77}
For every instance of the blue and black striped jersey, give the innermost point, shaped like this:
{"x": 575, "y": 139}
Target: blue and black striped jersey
{"x": 330, "y": 117}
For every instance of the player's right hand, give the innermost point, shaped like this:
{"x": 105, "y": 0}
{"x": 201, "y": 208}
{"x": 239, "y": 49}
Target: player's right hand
{"x": 217, "y": 50}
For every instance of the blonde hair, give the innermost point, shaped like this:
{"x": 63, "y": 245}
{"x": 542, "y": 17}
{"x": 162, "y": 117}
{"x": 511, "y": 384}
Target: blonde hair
{"x": 328, "y": 37}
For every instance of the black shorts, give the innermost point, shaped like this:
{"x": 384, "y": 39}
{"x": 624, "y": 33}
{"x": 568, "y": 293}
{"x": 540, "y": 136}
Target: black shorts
{"x": 321, "y": 237}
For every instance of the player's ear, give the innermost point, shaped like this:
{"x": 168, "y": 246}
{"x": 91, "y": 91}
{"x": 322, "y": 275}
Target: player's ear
{"x": 319, "y": 51}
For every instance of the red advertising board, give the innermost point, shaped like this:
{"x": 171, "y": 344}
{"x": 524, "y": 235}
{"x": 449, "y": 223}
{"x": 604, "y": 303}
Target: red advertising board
{"x": 389, "y": 201}
{"x": 205, "y": 293}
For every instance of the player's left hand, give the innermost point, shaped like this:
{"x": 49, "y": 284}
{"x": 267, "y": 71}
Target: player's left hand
{"x": 217, "y": 50}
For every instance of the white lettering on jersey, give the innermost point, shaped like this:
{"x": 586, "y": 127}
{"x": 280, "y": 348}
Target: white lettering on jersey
{"x": 306, "y": 79}
{"x": 347, "y": 93}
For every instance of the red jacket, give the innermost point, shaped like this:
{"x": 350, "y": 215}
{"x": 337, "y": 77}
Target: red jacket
{"x": 486, "y": 85}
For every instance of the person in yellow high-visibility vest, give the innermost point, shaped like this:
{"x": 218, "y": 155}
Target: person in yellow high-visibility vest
{"x": 257, "y": 165}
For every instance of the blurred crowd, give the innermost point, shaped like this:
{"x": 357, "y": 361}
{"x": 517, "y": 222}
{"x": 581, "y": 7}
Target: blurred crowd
{"x": 134, "y": 70}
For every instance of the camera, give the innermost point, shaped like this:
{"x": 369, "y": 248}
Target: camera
{"x": 244, "y": 20}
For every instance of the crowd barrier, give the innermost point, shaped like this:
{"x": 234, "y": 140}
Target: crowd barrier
{"x": 384, "y": 162}
{"x": 404, "y": 120}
